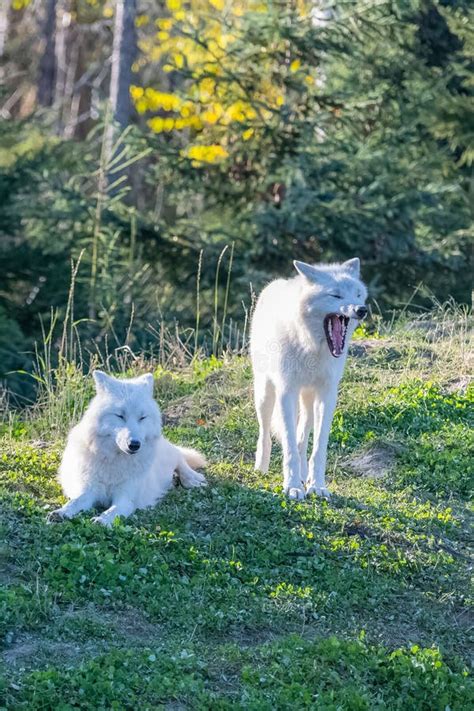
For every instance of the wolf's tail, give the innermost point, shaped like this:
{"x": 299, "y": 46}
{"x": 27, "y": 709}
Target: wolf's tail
{"x": 195, "y": 459}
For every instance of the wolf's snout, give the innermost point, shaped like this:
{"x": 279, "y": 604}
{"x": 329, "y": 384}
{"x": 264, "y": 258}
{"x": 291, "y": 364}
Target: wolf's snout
{"x": 133, "y": 446}
{"x": 361, "y": 312}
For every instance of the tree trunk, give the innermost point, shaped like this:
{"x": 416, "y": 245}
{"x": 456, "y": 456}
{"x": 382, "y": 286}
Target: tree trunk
{"x": 123, "y": 54}
{"x": 4, "y": 13}
{"x": 47, "y": 65}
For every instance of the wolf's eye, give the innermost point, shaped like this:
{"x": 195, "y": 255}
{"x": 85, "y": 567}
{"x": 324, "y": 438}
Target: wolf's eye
{"x": 142, "y": 418}
{"x": 336, "y": 296}
{"x": 121, "y": 417}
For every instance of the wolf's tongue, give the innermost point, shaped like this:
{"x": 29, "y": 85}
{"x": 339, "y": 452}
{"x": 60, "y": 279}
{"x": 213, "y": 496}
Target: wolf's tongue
{"x": 337, "y": 335}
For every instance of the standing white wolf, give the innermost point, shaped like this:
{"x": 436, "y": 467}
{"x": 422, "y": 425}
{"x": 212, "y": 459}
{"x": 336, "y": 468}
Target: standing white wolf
{"x": 117, "y": 456}
{"x": 300, "y": 334}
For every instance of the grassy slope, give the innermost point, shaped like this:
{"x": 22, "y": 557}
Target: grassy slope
{"x": 234, "y": 596}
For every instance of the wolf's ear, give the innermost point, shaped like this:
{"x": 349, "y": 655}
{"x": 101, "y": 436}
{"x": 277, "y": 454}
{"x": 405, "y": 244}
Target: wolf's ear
{"x": 147, "y": 380}
{"x": 352, "y": 266}
{"x": 309, "y": 272}
{"x": 103, "y": 382}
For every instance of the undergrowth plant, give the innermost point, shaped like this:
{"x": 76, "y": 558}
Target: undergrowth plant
{"x": 233, "y": 596}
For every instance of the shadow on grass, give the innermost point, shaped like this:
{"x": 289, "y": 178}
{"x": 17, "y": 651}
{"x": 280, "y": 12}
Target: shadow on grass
{"x": 236, "y": 562}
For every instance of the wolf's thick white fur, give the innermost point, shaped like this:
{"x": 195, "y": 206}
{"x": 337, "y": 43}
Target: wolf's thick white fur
{"x": 296, "y": 376}
{"x": 117, "y": 456}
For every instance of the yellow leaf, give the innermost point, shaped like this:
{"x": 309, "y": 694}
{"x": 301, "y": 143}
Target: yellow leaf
{"x": 207, "y": 154}
{"x": 295, "y": 65}
{"x": 141, "y": 20}
{"x": 196, "y": 123}
{"x": 212, "y": 114}
{"x": 164, "y": 23}
{"x": 156, "y": 124}
{"x": 136, "y": 92}
{"x": 141, "y": 106}
{"x": 181, "y": 123}
{"x": 218, "y": 4}
{"x": 248, "y": 134}
{"x": 240, "y": 111}
{"x": 173, "y": 4}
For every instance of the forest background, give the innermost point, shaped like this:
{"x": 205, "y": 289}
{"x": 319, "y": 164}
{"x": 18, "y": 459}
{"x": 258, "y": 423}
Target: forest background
{"x": 166, "y": 159}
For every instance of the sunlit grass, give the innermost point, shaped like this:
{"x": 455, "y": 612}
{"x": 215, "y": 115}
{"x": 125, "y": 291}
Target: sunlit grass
{"x": 234, "y": 596}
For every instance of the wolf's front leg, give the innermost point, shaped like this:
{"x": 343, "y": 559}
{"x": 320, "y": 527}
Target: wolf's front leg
{"x": 82, "y": 503}
{"x": 292, "y": 484}
{"x": 324, "y": 406}
{"x": 73, "y": 507}
{"x": 122, "y": 506}
{"x": 305, "y": 423}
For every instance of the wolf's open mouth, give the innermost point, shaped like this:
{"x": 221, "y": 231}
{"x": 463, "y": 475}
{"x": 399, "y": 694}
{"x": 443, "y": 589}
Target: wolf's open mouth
{"x": 335, "y": 328}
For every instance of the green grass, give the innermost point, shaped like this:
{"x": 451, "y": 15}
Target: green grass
{"x": 234, "y": 596}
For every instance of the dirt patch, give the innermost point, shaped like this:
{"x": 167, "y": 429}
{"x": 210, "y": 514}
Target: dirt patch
{"x": 218, "y": 377}
{"x": 134, "y": 626}
{"x": 373, "y": 463}
{"x": 35, "y": 650}
{"x": 368, "y": 347}
{"x": 65, "y": 641}
{"x": 178, "y": 412}
{"x": 192, "y": 410}
{"x": 362, "y": 346}
{"x": 127, "y": 623}
{"x": 459, "y": 385}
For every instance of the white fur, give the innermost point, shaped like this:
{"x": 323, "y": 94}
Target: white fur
{"x": 296, "y": 377}
{"x": 98, "y": 468}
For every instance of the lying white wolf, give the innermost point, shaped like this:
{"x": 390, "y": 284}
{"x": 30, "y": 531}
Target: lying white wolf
{"x": 117, "y": 456}
{"x": 300, "y": 334}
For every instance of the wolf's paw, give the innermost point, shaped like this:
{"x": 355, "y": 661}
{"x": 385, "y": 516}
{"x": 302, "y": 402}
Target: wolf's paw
{"x": 56, "y": 516}
{"x": 261, "y": 465}
{"x": 295, "y": 492}
{"x": 193, "y": 479}
{"x": 103, "y": 520}
{"x": 319, "y": 491}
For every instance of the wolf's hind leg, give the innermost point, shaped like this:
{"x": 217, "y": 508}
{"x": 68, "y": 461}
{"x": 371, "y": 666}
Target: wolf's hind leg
{"x": 305, "y": 423}
{"x": 264, "y": 391}
{"x": 188, "y": 477}
{"x": 73, "y": 507}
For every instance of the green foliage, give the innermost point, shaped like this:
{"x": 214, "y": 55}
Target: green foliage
{"x": 381, "y": 180}
{"x": 441, "y": 461}
{"x": 356, "y": 138}
{"x": 294, "y": 673}
{"x": 233, "y": 596}
{"x": 352, "y": 675}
